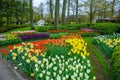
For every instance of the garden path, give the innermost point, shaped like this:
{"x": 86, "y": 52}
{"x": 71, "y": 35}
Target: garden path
{"x": 7, "y": 73}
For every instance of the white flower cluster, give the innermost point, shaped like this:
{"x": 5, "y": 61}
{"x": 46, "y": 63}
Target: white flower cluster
{"x": 2, "y": 37}
{"x": 62, "y": 68}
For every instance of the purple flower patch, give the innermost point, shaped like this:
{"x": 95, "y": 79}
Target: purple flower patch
{"x": 34, "y": 36}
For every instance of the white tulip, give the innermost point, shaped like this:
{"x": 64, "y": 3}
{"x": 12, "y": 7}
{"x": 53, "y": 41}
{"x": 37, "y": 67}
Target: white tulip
{"x": 54, "y": 74}
{"x": 60, "y": 71}
{"x": 88, "y": 71}
{"x": 48, "y": 73}
{"x": 55, "y": 68}
{"x": 47, "y": 78}
{"x": 67, "y": 76}
{"x": 42, "y": 65}
{"x": 94, "y": 78}
{"x": 88, "y": 61}
{"x": 37, "y": 69}
{"x": 40, "y": 75}
{"x": 36, "y": 65}
{"x": 81, "y": 74}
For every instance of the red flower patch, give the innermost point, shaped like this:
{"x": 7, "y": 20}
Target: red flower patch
{"x": 10, "y": 47}
{"x": 4, "y": 51}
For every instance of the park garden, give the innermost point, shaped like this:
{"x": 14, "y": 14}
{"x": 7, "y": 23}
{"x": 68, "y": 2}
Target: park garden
{"x": 62, "y": 48}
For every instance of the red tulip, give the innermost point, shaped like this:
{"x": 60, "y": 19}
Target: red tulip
{"x": 4, "y": 51}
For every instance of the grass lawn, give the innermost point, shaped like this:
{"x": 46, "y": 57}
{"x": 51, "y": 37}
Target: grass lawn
{"x": 21, "y": 29}
{"x": 99, "y": 58}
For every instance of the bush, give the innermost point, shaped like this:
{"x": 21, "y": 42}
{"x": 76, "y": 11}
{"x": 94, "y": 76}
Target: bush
{"x": 10, "y": 42}
{"x": 106, "y": 28}
{"x": 115, "y": 62}
{"x": 44, "y": 29}
{"x": 89, "y": 34}
{"x": 13, "y": 26}
{"x": 81, "y": 25}
{"x": 58, "y": 35}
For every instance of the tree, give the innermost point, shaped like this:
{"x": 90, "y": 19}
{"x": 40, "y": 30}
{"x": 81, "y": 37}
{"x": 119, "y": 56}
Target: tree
{"x": 56, "y": 20}
{"x": 64, "y": 11}
{"x": 76, "y": 11}
{"x": 68, "y": 9}
{"x": 51, "y": 8}
{"x": 31, "y": 15}
{"x": 91, "y": 9}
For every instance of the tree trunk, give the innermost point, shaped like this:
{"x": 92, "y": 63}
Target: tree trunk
{"x": 31, "y": 16}
{"x": 56, "y": 21}
{"x": 23, "y": 11}
{"x": 0, "y": 21}
{"x": 76, "y": 11}
{"x": 91, "y": 12}
{"x": 8, "y": 20}
{"x": 64, "y": 11}
{"x": 113, "y": 4}
{"x": 68, "y": 14}
{"x": 51, "y": 9}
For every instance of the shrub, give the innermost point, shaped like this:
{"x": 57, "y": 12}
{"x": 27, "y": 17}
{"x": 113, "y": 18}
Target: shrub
{"x": 10, "y": 27}
{"x": 44, "y": 29}
{"x": 58, "y": 35}
{"x": 106, "y": 28}
{"x": 10, "y": 42}
{"x": 115, "y": 62}
{"x": 81, "y": 25}
{"x": 89, "y": 34}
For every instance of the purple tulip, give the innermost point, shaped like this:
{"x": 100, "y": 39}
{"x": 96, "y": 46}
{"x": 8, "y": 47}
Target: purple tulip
{"x": 34, "y": 36}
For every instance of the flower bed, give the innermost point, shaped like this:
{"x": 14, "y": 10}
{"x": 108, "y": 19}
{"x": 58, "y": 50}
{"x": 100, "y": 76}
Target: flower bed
{"x": 87, "y": 30}
{"x": 9, "y": 39}
{"x": 23, "y": 32}
{"x": 2, "y": 37}
{"x": 61, "y": 59}
{"x": 34, "y": 36}
{"x": 107, "y": 42}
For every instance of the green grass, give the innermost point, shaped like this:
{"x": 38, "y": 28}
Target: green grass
{"x": 21, "y": 29}
{"x": 99, "y": 56}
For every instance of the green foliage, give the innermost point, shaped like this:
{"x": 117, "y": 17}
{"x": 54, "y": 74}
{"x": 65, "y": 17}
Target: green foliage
{"x": 106, "y": 28}
{"x": 57, "y": 50}
{"x": 11, "y": 27}
{"x": 91, "y": 34}
{"x": 115, "y": 62}
{"x": 92, "y": 49}
{"x": 107, "y": 43}
{"x": 81, "y": 25}
{"x": 57, "y": 35}
{"x": 44, "y": 29}
{"x": 10, "y": 42}
{"x": 77, "y": 26}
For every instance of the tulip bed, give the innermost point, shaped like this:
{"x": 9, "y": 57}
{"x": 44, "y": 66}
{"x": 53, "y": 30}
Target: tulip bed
{"x": 34, "y": 36}
{"x": 53, "y": 59}
{"x": 23, "y": 32}
{"x": 107, "y": 42}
